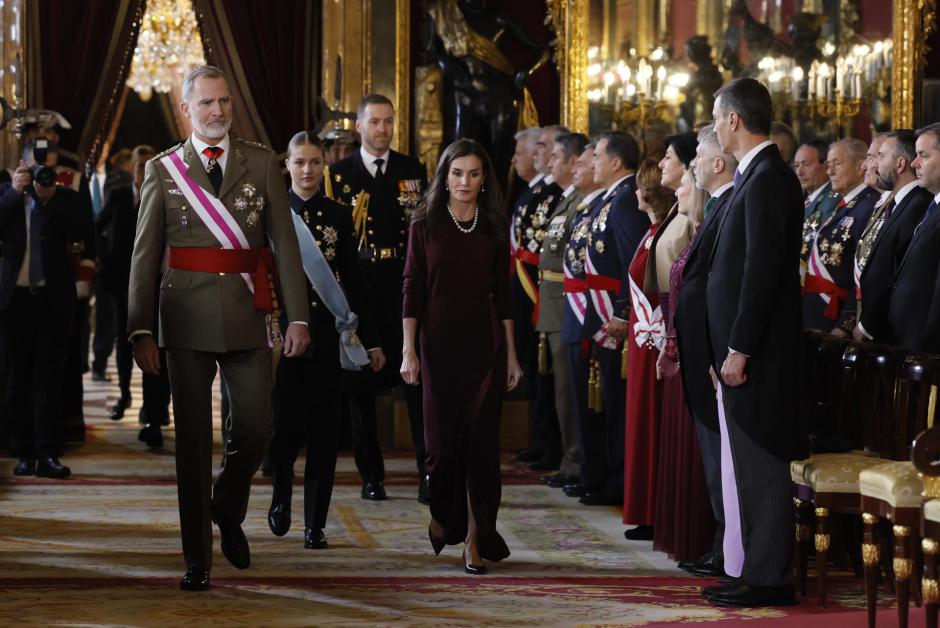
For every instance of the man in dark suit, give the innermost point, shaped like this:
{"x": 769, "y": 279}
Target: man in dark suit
{"x": 613, "y": 238}
{"x": 914, "y": 305}
{"x": 714, "y": 173}
{"x": 829, "y": 296}
{"x": 381, "y": 187}
{"x": 38, "y": 228}
{"x": 899, "y": 218}
{"x": 755, "y": 332}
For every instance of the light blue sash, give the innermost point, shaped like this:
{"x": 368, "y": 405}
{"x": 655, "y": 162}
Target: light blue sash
{"x": 352, "y": 355}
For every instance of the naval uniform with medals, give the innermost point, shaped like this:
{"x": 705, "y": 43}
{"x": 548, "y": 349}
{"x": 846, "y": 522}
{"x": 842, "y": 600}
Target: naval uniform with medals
{"x": 381, "y": 192}
{"x": 306, "y": 391}
{"x": 613, "y": 238}
{"x": 577, "y": 302}
{"x": 529, "y": 221}
{"x": 829, "y": 291}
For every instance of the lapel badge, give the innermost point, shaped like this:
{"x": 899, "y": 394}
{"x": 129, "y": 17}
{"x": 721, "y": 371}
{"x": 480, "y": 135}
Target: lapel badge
{"x": 338, "y": 178}
{"x": 600, "y": 246}
{"x": 346, "y": 188}
{"x": 330, "y": 236}
{"x": 175, "y": 191}
{"x": 238, "y": 154}
{"x": 306, "y": 217}
{"x": 187, "y": 156}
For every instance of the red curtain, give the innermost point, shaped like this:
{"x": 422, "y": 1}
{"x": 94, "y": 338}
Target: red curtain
{"x": 82, "y": 51}
{"x": 270, "y": 53}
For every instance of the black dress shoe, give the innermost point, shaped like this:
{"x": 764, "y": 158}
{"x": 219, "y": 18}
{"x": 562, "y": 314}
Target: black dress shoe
{"x": 99, "y": 376}
{"x": 234, "y": 544}
{"x": 639, "y": 533}
{"x": 52, "y": 468}
{"x": 117, "y": 410}
{"x": 576, "y": 490}
{"x": 724, "y": 584}
{"x": 541, "y": 465}
{"x": 26, "y": 466}
{"x": 601, "y": 498}
{"x": 195, "y": 579}
{"x": 152, "y": 435}
{"x": 373, "y": 491}
{"x": 559, "y": 480}
{"x": 473, "y": 570}
{"x": 748, "y": 595}
{"x": 314, "y": 538}
{"x": 704, "y": 559}
{"x": 529, "y": 455}
{"x": 424, "y": 489}
{"x": 279, "y": 517}
{"x": 715, "y": 568}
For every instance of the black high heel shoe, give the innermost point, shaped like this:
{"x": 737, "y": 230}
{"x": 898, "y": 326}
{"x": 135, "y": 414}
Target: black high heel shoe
{"x": 436, "y": 543}
{"x": 473, "y": 570}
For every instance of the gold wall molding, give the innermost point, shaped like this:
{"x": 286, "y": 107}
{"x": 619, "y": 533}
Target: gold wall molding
{"x": 569, "y": 19}
{"x": 914, "y": 20}
{"x": 402, "y": 139}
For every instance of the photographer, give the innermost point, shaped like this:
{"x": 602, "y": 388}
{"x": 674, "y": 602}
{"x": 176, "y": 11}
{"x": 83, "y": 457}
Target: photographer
{"x": 39, "y": 226}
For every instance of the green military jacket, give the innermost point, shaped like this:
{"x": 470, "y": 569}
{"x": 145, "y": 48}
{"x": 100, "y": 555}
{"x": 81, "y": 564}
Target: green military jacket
{"x": 557, "y": 230}
{"x": 203, "y": 311}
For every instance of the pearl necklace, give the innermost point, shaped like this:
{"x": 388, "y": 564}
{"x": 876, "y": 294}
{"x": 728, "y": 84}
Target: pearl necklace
{"x": 476, "y": 216}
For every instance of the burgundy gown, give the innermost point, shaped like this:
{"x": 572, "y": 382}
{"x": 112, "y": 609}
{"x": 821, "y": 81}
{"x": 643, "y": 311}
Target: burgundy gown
{"x": 644, "y": 402}
{"x": 684, "y": 523}
{"x": 457, "y": 287}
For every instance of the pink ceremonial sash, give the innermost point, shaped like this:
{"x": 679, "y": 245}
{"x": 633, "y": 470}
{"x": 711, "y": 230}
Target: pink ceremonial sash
{"x": 210, "y": 210}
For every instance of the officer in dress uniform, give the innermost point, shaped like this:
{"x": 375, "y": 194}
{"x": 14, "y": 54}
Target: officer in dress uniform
{"x": 211, "y": 205}
{"x": 524, "y": 165}
{"x": 306, "y": 392}
{"x": 829, "y": 287}
{"x": 593, "y": 454}
{"x": 877, "y": 218}
{"x": 809, "y": 164}
{"x": 529, "y": 231}
{"x": 381, "y": 187}
{"x": 900, "y": 214}
{"x": 555, "y": 231}
{"x": 614, "y": 235}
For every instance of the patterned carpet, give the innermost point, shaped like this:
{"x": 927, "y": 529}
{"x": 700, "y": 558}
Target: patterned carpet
{"x": 102, "y": 548}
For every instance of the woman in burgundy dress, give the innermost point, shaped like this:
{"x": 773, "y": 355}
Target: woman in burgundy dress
{"x": 457, "y": 318}
{"x": 644, "y": 391}
{"x": 683, "y": 516}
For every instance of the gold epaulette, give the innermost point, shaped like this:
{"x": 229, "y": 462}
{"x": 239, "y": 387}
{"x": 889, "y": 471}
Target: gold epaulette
{"x": 328, "y": 183}
{"x": 167, "y": 151}
{"x": 360, "y": 216}
{"x": 255, "y": 144}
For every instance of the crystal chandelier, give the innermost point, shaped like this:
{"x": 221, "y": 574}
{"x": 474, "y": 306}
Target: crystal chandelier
{"x": 168, "y": 46}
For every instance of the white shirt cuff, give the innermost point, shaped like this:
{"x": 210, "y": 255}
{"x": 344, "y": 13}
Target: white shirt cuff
{"x": 138, "y": 332}
{"x": 304, "y": 323}
{"x": 730, "y": 350}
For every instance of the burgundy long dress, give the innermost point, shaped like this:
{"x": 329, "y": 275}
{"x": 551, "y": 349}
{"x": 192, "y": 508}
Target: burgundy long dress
{"x": 684, "y": 523}
{"x": 457, "y": 287}
{"x": 644, "y": 400}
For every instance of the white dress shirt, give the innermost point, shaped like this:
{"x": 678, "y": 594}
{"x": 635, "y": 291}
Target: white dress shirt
{"x": 613, "y": 188}
{"x": 368, "y": 160}
{"x": 223, "y": 143}
{"x": 751, "y": 154}
{"x": 722, "y": 189}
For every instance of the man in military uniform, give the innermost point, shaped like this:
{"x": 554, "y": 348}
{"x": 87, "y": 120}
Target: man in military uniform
{"x": 212, "y": 204}
{"x": 593, "y": 454}
{"x": 529, "y": 231}
{"x": 556, "y": 229}
{"x": 382, "y": 187}
{"x": 614, "y": 236}
{"x": 899, "y": 216}
{"x": 809, "y": 164}
{"x": 829, "y": 289}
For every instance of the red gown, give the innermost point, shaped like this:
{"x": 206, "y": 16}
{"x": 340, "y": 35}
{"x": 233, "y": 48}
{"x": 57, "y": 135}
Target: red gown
{"x": 644, "y": 400}
{"x": 457, "y": 287}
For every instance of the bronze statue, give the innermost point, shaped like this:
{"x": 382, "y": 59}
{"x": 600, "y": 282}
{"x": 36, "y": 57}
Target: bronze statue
{"x": 484, "y": 95}
{"x": 704, "y": 80}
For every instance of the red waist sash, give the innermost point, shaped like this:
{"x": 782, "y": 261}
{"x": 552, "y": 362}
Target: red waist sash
{"x": 602, "y": 282}
{"x": 837, "y": 296}
{"x": 573, "y": 285}
{"x": 259, "y": 262}
{"x": 528, "y": 257}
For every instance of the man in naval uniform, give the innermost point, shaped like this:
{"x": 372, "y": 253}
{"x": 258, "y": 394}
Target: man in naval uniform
{"x": 381, "y": 187}
{"x": 211, "y": 206}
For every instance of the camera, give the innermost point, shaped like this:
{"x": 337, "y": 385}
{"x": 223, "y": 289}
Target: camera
{"x": 42, "y": 174}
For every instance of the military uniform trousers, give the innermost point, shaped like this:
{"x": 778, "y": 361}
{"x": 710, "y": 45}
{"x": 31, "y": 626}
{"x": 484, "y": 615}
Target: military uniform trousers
{"x": 565, "y": 405}
{"x": 306, "y": 413}
{"x": 248, "y": 374}
{"x": 610, "y": 431}
{"x": 593, "y": 465}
